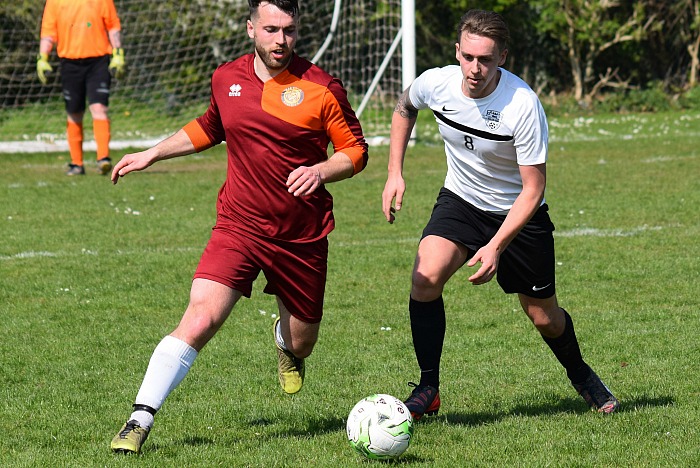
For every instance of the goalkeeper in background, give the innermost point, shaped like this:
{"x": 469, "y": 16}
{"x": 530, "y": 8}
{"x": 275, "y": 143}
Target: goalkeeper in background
{"x": 87, "y": 35}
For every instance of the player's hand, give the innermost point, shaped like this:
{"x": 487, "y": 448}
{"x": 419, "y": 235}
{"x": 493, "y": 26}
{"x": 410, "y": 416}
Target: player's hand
{"x": 43, "y": 67}
{"x": 132, "y": 162}
{"x": 488, "y": 256}
{"x": 117, "y": 64}
{"x": 304, "y": 181}
{"x": 393, "y": 193}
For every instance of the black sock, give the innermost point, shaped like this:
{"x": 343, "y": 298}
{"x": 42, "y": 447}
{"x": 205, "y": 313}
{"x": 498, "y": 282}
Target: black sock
{"x": 145, "y": 408}
{"x": 567, "y": 351}
{"x": 428, "y": 331}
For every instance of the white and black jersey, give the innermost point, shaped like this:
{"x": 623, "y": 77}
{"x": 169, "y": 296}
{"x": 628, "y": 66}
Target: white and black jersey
{"x": 485, "y": 139}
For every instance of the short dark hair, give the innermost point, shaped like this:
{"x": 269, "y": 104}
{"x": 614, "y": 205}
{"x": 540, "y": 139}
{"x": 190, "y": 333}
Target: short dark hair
{"x": 484, "y": 23}
{"x": 291, "y": 7}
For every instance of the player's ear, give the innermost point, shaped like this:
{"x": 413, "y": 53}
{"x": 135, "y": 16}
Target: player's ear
{"x": 457, "y": 51}
{"x": 250, "y": 29}
{"x": 504, "y": 54}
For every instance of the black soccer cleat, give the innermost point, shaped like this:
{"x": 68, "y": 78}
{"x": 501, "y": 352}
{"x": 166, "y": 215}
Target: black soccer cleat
{"x": 424, "y": 399}
{"x": 597, "y": 395}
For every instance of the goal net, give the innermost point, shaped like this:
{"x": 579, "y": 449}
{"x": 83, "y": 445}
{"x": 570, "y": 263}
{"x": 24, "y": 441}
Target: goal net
{"x": 173, "y": 46}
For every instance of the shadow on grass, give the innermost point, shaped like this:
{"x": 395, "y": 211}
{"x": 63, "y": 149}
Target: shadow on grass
{"x": 328, "y": 425}
{"x": 567, "y": 405}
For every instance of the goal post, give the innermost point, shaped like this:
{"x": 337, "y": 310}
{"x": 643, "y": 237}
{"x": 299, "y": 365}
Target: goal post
{"x": 173, "y": 46}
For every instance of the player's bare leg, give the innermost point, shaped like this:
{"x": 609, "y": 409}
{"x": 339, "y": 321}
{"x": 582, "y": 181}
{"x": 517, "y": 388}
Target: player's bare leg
{"x": 294, "y": 340}
{"x": 210, "y": 304}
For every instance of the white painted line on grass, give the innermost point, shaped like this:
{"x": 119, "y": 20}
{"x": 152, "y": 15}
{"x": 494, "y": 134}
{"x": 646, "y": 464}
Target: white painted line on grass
{"x": 577, "y": 232}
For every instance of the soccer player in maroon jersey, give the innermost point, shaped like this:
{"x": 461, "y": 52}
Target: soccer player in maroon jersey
{"x": 277, "y": 113}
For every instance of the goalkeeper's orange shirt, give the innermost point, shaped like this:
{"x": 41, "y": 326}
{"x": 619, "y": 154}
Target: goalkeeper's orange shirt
{"x": 79, "y": 27}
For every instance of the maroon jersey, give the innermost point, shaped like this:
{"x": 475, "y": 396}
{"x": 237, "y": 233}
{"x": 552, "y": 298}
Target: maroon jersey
{"x": 270, "y": 129}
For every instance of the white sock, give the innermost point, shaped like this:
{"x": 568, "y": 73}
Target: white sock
{"x": 169, "y": 364}
{"x": 144, "y": 418}
{"x": 278, "y": 337}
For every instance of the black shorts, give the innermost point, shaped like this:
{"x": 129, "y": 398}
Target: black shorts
{"x": 527, "y": 264}
{"x": 83, "y": 78}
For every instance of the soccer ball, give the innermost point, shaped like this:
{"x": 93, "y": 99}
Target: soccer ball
{"x": 380, "y": 427}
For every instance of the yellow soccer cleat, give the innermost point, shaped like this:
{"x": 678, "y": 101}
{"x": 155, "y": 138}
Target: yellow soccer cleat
{"x": 290, "y": 368}
{"x": 130, "y": 438}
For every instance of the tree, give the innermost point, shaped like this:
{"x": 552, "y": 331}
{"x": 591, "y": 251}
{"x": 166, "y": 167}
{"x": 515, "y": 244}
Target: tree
{"x": 586, "y": 29}
{"x": 686, "y": 20}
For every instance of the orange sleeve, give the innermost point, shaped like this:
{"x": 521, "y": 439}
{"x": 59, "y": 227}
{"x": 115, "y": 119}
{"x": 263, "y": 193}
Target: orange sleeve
{"x": 48, "y": 21}
{"x": 342, "y": 136}
{"x": 197, "y": 136}
{"x": 111, "y": 19}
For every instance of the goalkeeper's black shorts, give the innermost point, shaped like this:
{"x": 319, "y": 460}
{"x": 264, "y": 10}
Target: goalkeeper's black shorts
{"x": 85, "y": 78}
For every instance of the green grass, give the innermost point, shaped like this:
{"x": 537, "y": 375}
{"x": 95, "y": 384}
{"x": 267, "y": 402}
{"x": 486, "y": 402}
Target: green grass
{"x": 92, "y": 276}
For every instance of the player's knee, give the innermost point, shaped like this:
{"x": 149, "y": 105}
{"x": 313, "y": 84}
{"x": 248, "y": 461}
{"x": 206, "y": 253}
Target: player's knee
{"x": 547, "y": 323}
{"x": 424, "y": 287}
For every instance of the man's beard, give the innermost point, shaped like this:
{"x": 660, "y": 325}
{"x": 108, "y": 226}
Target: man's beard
{"x": 270, "y": 62}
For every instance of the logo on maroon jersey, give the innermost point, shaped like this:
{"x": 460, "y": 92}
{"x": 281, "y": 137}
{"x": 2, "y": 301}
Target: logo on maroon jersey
{"x": 235, "y": 90}
{"x": 292, "y": 96}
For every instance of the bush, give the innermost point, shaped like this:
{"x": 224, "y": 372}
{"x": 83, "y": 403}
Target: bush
{"x": 690, "y": 99}
{"x": 652, "y": 99}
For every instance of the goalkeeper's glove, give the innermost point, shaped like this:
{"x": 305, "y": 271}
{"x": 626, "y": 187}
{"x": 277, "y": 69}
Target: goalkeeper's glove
{"x": 116, "y": 65}
{"x": 43, "y": 66}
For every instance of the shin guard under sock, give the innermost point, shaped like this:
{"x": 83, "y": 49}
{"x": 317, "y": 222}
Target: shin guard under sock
{"x": 568, "y": 353}
{"x": 428, "y": 332}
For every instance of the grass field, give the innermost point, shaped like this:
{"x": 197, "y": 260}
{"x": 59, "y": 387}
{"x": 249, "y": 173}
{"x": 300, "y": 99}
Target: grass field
{"x": 92, "y": 276}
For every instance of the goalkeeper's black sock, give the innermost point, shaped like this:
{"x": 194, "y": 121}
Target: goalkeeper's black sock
{"x": 428, "y": 331}
{"x": 567, "y": 351}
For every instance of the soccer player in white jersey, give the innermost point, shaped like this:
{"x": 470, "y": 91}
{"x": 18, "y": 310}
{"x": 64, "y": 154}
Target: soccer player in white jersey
{"x": 491, "y": 211}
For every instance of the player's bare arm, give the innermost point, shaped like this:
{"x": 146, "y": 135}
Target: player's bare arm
{"x": 525, "y": 205}
{"x": 304, "y": 180}
{"x": 115, "y": 37}
{"x": 178, "y": 144}
{"x": 46, "y": 44}
{"x": 402, "y": 122}
{"x": 404, "y": 107}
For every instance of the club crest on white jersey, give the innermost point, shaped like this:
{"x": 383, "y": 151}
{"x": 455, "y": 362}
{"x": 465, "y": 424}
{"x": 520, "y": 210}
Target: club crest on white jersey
{"x": 235, "y": 90}
{"x": 492, "y": 118}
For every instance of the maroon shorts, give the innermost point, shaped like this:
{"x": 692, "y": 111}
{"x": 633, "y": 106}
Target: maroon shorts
{"x": 295, "y": 272}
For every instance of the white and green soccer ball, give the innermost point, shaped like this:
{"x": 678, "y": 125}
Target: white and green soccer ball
{"x": 380, "y": 427}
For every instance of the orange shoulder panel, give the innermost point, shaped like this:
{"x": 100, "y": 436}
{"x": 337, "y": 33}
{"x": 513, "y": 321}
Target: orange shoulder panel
{"x": 285, "y": 92}
{"x": 312, "y": 106}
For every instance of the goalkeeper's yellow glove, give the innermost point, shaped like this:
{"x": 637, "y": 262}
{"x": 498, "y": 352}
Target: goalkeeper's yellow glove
{"x": 117, "y": 64}
{"x": 43, "y": 66}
